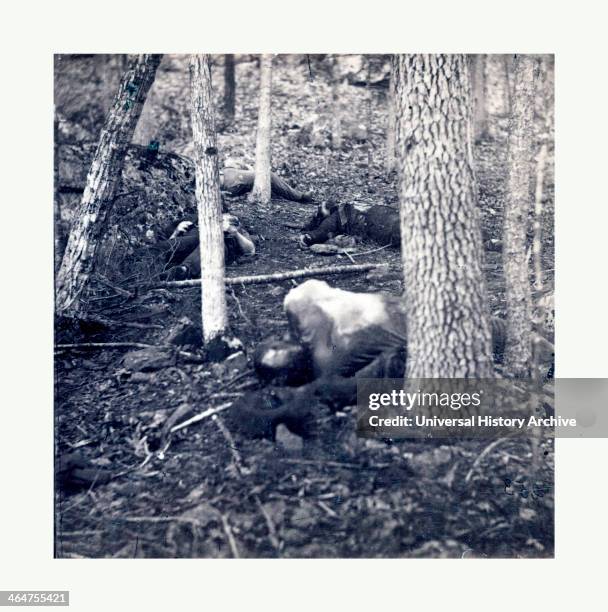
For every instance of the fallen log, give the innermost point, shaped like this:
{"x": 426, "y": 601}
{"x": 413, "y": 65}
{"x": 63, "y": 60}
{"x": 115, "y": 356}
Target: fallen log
{"x": 278, "y": 276}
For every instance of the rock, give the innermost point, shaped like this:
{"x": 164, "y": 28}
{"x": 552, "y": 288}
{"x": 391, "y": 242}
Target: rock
{"x": 355, "y": 131}
{"x": 324, "y": 249}
{"x": 141, "y": 377}
{"x": 311, "y": 133}
{"x": 76, "y": 471}
{"x": 222, "y": 347}
{"x": 287, "y": 440}
{"x": 343, "y": 241}
{"x": 236, "y": 363}
{"x": 304, "y": 516}
{"x": 184, "y": 332}
{"x": 148, "y": 359}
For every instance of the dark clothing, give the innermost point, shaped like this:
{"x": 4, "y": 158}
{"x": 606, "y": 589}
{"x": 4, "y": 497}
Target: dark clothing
{"x": 239, "y": 182}
{"x": 379, "y": 223}
{"x": 180, "y": 255}
{"x": 348, "y": 336}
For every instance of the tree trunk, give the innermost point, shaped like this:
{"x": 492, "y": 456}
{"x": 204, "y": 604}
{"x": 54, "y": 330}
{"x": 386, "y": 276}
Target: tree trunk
{"x": 391, "y": 123}
{"x": 58, "y": 233}
{"x": 229, "y": 89}
{"x": 208, "y": 200}
{"x": 102, "y": 179}
{"x": 477, "y": 68}
{"x": 261, "y": 185}
{"x": 538, "y": 218}
{"x": 517, "y": 206}
{"x": 496, "y": 95}
{"x": 448, "y": 323}
{"x": 336, "y": 98}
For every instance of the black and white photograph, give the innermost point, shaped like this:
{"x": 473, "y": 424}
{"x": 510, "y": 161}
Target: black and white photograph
{"x": 303, "y": 306}
{"x": 238, "y": 240}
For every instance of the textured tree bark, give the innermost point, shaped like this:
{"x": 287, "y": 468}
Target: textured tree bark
{"x": 229, "y": 89}
{"x": 208, "y": 200}
{"x": 58, "y": 229}
{"x": 517, "y": 207}
{"x": 538, "y": 218}
{"x": 336, "y": 99}
{"x": 448, "y": 324}
{"x": 477, "y": 69}
{"x": 391, "y": 162}
{"x": 261, "y": 185}
{"x": 102, "y": 179}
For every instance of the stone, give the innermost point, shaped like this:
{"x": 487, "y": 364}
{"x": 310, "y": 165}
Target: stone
{"x": 148, "y": 359}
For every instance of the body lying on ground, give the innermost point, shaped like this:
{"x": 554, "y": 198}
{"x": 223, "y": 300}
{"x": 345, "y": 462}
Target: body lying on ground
{"x": 378, "y": 223}
{"x": 238, "y": 181}
{"x": 179, "y": 250}
{"x": 337, "y": 336}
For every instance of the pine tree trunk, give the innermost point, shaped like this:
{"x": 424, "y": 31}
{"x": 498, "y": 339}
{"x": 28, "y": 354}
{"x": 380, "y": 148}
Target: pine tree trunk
{"x": 261, "y": 185}
{"x": 208, "y": 200}
{"x": 229, "y": 89}
{"x": 102, "y": 179}
{"x": 336, "y": 99}
{"x": 448, "y": 323}
{"x": 517, "y": 207}
{"x": 391, "y": 123}
{"x": 477, "y": 69}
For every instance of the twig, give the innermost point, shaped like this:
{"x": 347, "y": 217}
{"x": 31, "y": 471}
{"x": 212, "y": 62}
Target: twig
{"x": 278, "y": 276}
{"x": 113, "y": 345}
{"x": 85, "y": 345}
{"x": 373, "y": 250}
{"x": 241, "y": 471}
{"x": 102, "y": 279}
{"x": 199, "y": 417}
{"x": 230, "y": 537}
{"x": 236, "y": 457}
{"x": 345, "y": 252}
{"x": 238, "y": 305}
{"x": 327, "y": 509}
{"x": 272, "y": 530}
{"x": 486, "y": 451}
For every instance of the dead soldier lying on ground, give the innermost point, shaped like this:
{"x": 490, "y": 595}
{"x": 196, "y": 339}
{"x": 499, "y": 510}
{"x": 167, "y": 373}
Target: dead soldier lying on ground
{"x": 178, "y": 252}
{"x": 336, "y": 337}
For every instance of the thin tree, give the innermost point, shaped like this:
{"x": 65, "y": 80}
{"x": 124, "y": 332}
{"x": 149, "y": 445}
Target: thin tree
{"x": 102, "y": 179}
{"x": 261, "y": 184}
{"x": 208, "y": 200}
{"x": 229, "y": 89}
{"x": 477, "y": 65}
{"x": 496, "y": 95}
{"x": 544, "y": 100}
{"x": 391, "y": 160}
{"x": 336, "y": 100}
{"x": 448, "y": 323}
{"x": 58, "y": 233}
{"x": 517, "y": 207}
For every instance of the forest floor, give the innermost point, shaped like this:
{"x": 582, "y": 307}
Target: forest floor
{"x": 214, "y": 493}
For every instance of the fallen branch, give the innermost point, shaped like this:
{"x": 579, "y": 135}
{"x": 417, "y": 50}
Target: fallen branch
{"x": 278, "y": 276}
{"x": 86, "y": 345}
{"x": 102, "y": 279}
{"x": 113, "y": 345}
